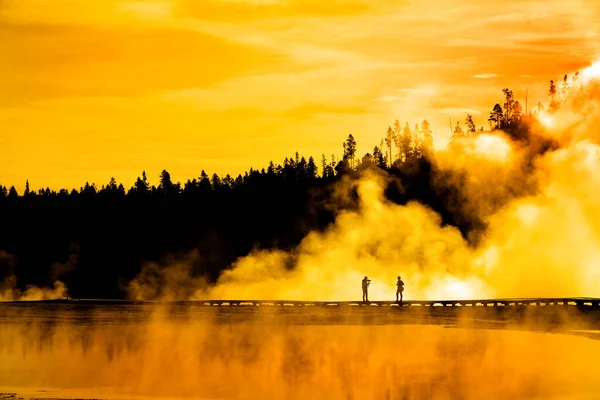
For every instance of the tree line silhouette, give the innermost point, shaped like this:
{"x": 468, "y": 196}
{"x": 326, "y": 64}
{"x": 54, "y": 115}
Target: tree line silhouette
{"x": 95, "y": 239}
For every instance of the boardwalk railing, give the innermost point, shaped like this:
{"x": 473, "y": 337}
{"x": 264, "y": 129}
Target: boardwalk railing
{"x": 532, "y": 302}
{"x": 513, "y": 302}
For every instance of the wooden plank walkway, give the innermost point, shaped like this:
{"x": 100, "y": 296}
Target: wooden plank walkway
{"x": 532, "y": 302}
{"x": 510, "y": 302}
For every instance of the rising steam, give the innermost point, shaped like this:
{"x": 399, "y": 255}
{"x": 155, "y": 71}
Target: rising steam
{"x": 117, "y": 354}
{"x": 9, "y": 290}
{"x": 538, "y": 195}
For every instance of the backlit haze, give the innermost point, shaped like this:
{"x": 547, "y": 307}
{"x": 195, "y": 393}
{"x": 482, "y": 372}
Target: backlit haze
{"x": 540, "y": 208}
{"x": 99, "y": 88}
{"x": 91, "y": 89}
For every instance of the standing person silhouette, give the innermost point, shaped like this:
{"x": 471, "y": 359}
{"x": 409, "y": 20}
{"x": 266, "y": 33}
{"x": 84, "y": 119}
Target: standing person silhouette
{"x": 400, "y": 289}
{"x": 365, "y": 288}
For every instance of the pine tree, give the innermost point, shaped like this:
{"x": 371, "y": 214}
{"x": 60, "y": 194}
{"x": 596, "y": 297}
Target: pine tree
{"x": 406, "y": 143}
{"x": 509, "y": 101}
{"x": 470, "y": 124}
{"x": 458, "y": 133}
{"x": 367, "y": 161}
{"x": 496, "y": 117}
{"x": 389, "y": 142}
{"x": 517, "y": 111}
{"x": 552, "y": 95}
{"x": 215, "y": 182}
{"x": 204, "y": 184}
{"x": 427, "y": 135}
{"x": 141, "y": 184}
{"x": 12, "y": 193}
{"x": 350, "y": 150}
{"x": 165, "y": 184}
{"x": 378, "y": 158}
{"x": 312, "y": 169}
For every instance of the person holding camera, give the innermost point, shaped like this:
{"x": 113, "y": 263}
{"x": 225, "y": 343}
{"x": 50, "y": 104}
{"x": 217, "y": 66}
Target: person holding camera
{"x": 365, "y": 288}
{"x": 400, "y": 289}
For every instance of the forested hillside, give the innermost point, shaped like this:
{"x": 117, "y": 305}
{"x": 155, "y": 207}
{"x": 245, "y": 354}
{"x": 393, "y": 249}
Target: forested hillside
{"x": 96, "y": 238}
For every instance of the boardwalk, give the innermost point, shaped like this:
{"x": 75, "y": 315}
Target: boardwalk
{"x": 539, "y": 302}
{"x": 512, "y": 302}
{"x": 543, "y": 314}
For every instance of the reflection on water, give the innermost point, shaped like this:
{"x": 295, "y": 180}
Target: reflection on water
{"x": 137, "y": 351}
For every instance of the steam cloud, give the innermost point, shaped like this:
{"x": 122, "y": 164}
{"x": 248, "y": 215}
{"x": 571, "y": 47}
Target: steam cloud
{"x": 538, "y": 198}
{"x": 537, "y": 193}
{"x": 149, "y": 351}
{"x": 9, "y": 290}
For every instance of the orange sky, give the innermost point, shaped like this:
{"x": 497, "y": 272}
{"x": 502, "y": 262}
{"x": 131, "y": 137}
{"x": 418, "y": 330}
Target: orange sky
{"x": 91, "y": 89}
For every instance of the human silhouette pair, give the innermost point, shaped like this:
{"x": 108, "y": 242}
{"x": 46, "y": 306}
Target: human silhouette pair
{"x": 399, "y": 288}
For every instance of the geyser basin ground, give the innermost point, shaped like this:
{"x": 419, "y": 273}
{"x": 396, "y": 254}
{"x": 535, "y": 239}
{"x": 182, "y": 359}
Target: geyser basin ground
{"x": 142, "y": 351}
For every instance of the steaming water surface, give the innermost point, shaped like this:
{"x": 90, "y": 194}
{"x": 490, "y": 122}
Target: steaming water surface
{"x": 141, "y": 351}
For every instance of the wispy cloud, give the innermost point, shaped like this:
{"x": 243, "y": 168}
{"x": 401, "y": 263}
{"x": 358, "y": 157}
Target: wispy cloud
{"x": 457, "y": 110}
{"x": 387, "y": 99}
{"x": 405, "y": 93}
{"x": 417, "y": 91}
{"x": 236, "y": 70}
{"x": 485, "y": 76}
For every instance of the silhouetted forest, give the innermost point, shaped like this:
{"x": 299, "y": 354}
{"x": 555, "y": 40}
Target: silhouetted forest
{"x": 96, "y": 238}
